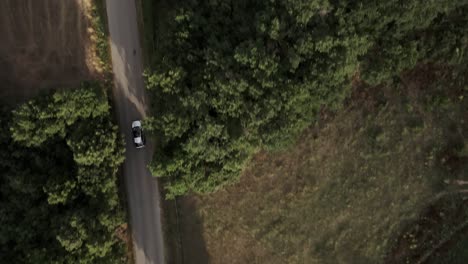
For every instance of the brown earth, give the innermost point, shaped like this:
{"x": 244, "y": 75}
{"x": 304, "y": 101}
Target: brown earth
{"x": 44, "y": 44}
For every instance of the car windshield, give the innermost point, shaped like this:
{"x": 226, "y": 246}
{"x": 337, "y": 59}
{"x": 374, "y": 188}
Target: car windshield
{"x": 136, "y": 132}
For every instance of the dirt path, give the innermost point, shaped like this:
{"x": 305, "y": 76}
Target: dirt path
{"x": 131, "y": 104}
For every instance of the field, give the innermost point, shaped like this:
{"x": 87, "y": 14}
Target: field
{"x": 45, "y": 44}
{"x": 378, "y": 182}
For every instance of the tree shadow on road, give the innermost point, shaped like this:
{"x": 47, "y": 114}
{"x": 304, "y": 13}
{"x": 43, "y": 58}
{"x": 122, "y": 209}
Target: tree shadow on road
{"x": 184, "y": 232}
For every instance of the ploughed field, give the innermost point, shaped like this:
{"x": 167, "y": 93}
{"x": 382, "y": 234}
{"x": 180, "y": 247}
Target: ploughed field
{"x": 44, "y": 44}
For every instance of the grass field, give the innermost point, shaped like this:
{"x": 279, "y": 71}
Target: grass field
{"x": 358, "y": 187}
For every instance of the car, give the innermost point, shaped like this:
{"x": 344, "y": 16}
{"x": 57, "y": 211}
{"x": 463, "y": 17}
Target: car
{"x": 138, "y": 135}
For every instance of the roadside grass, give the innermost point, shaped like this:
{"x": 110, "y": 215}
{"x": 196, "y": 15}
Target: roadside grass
{"x": 101, "y": 37}
{"x": 353, "y": 187}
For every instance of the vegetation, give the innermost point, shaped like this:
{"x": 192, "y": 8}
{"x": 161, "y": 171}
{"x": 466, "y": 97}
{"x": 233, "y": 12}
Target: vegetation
{"x": 383, "y": 181}
{"x": 379, "y": 87}
{"x": 231, "y": 77}
{"x": 100, "y": 35}
{"x": 58, "y": 195}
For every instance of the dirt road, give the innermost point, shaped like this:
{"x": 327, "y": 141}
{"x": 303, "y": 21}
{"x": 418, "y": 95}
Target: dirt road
{"x": 131, "y": 103}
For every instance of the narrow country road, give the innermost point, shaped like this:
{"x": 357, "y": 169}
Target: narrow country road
{"x": 131, "y": 104}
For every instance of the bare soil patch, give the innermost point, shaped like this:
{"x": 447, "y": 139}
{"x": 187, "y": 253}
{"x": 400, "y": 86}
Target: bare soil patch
{"x": 44, "y": 44}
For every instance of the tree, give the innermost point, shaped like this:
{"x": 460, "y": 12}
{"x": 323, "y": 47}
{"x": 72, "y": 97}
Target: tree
{"x": 58, "y": 197}
{"x": 232, "y": 77}
{"x": 49, "y": 116}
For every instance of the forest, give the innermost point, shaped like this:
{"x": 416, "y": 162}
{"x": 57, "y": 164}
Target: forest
{"x": 228, "y": 78}
{"x": 59, "y": 202}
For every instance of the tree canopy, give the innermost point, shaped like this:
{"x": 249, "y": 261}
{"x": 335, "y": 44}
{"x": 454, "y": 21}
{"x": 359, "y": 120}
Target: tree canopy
{"x": 230, "y": 77}
{"x": 58, "y": 195}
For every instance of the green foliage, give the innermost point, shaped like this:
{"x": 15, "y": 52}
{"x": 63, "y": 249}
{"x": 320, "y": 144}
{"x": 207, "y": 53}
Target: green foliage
{"x": 59, "y": 201}
{"x": 99, "y": 24}
{"x": 96, "y": 148}
{"x": 413, "y": 32}
{"x": 230, "y": 77}
{"x": 47, "y": 117}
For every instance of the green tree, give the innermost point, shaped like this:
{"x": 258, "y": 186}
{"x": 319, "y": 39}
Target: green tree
{"x": 58, "y": 197}
{"x": 47, "y": 116}
{"x": 231, "y": 77}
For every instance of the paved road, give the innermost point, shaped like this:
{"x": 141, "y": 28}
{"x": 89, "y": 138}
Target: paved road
{"x": 131, "y": 103}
